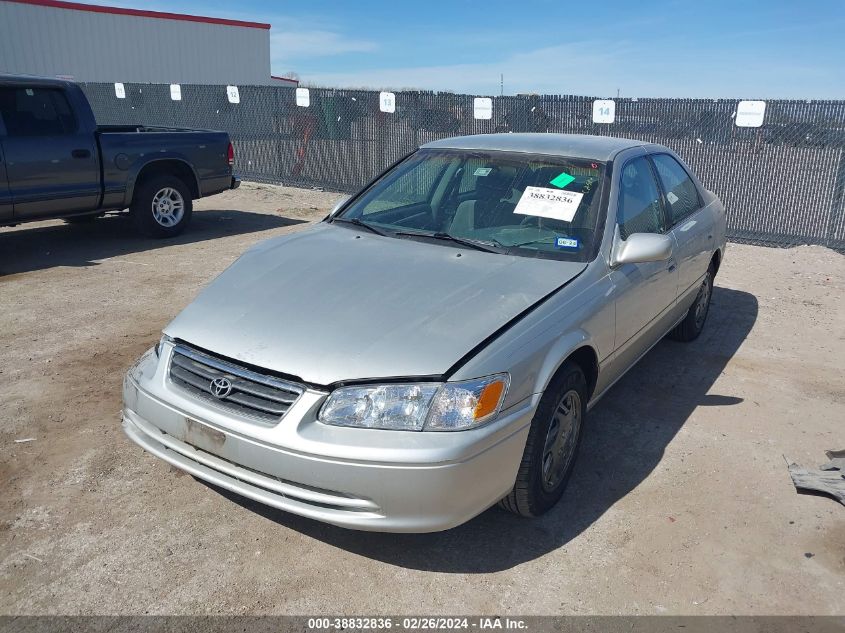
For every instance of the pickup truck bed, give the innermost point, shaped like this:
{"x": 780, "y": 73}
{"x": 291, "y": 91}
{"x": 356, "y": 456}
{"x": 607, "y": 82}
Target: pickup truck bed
{"x": 56, "y": 162}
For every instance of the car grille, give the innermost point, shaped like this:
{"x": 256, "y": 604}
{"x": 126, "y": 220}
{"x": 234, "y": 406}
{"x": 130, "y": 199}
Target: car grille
{"x": 239, "y": 390}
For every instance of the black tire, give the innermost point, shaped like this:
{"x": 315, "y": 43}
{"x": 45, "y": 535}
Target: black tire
{"x": 82, "y": 219}
{"x": 533, "y": 492}
{"x": 158, "y": 223}
{"x": 693, "y": 324}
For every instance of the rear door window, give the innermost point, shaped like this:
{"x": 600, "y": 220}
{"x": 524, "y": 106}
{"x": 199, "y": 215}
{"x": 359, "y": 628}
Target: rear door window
{"x": 679, "y": 189}
{"x": 34, "y": 112}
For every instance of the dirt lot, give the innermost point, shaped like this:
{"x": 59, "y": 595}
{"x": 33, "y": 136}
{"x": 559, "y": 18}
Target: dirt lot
{"x": 680, "y": 501}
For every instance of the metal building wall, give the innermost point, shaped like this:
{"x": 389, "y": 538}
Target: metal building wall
{"x": 87, "y": 46}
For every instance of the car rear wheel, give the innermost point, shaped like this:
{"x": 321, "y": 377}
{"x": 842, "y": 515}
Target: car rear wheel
{"x": 552, "y": 445}
{"x": 693, "y": 324}
{"x": 161, "y": 206}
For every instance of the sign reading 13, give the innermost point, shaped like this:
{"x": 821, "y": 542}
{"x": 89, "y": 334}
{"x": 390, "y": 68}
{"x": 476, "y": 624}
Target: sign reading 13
{"x": 387, "y": 102}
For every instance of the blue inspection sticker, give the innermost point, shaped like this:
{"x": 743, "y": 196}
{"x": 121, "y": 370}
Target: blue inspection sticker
{"x": 566, "y": 242}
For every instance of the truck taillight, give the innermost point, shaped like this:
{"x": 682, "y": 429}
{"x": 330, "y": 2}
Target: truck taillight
{"x": 230, "y": 155}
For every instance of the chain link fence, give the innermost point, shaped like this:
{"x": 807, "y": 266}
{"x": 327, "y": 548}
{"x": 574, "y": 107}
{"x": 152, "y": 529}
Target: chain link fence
{"x": 783, "y": 184}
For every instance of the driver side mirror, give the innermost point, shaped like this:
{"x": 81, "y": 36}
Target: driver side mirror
{"x": 640, "y": 248}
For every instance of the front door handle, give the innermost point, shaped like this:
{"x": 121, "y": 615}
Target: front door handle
{"x": 672, "y": 265}
{"x": 81, "y": 153}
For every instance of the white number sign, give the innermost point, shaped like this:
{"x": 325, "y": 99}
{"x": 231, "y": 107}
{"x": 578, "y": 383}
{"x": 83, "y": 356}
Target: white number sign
{"x": 750, "y": 113}
{"x": 387, "y": 102}
{"x": 482, "y": 108}
{"x": 303, "y": 97}
{"x": 176, "y": 92}
{"x": 120, "y": 91}
{"x": 232, "y": 94}
{"x": 604, "y": 111}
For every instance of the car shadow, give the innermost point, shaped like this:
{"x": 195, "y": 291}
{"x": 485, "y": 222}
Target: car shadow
{"x": 40, "y": 247}
{"x": 619, "y": 450}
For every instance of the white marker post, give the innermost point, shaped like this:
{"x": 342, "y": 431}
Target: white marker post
{"x": 303, "y": 97}
{"x": 175, "y": 92}
{"x": 120, "y": 91}
{"x": 387, "y": 102}
{"x": 750, "y": 113}
{"x": 604, "y": 111}
{"x": 482, "y": 108}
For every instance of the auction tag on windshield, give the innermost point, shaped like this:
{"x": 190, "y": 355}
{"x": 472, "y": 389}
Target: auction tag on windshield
{"x": 549, "y": 203}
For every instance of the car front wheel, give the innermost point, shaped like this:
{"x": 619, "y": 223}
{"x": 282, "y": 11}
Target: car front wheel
{"x": 551, "y": 446}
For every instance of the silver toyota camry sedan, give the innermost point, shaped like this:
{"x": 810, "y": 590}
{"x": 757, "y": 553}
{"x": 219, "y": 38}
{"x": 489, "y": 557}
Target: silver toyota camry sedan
{"x": 433, "y": 346}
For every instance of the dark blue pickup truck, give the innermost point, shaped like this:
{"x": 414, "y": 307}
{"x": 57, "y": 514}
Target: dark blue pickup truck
{"x": 56, "y": 162}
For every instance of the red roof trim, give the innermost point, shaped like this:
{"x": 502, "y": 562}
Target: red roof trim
{"x": 93, "y": 8}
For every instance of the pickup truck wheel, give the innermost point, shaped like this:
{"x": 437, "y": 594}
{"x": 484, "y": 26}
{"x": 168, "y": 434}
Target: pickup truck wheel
{"x": 551, "y": 446}
{"x": 161, "y": 206}
{"x": 693, "y": 324}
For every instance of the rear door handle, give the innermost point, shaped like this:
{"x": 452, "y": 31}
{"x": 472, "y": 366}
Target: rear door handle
{"x": 81, "y": 153}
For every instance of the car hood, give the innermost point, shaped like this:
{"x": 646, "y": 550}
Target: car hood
{"x": 332, "y": 304}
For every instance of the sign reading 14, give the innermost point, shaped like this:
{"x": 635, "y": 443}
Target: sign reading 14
{"x": 604, "y": 111}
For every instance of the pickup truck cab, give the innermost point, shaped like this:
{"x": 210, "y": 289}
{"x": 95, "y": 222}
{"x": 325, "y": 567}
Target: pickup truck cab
{"x": 56, "y": 162}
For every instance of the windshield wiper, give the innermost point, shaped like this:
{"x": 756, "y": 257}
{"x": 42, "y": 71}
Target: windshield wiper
{"x": 487, "y": 247}
{"x": 361, "y": 223}
{"x": 542, "y": 240}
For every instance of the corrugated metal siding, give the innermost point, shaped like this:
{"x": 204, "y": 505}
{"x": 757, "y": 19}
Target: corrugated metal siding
{"x": 103, "y": 47}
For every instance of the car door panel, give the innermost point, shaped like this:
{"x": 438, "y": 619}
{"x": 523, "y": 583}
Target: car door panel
{"x": 692, "y": 225}
{"x": 644, "y": 294}
{"x": 645, "y": 301}
{"x": 52, "y": 165}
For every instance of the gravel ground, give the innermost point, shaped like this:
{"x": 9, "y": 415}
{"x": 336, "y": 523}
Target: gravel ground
{"x": 680, "y": 502}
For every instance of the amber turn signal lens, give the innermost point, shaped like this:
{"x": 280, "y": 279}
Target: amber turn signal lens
{"x": 489, "y": 399}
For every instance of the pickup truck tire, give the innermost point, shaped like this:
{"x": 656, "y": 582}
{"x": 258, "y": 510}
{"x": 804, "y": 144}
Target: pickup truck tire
{"x": 552, "y": 445}
{"x": 161, "y": 206}
{"x": 693, "y": 323}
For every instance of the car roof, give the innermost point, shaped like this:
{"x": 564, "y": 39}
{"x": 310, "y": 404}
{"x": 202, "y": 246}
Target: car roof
{"x": 569, "y": 145}
{"x": 32, "y": 80}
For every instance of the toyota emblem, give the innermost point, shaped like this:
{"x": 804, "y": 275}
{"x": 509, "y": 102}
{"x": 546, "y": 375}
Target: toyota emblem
{"x": 221, "y": 387}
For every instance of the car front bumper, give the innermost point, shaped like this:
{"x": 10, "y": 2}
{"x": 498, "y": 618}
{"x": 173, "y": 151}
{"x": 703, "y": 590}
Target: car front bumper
{"x": 366, "y": 479}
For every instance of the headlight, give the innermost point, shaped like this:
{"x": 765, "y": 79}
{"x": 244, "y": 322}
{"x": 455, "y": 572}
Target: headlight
{"x": 415, "y": 407}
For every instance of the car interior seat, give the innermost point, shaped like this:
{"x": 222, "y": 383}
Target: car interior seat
{"x": 494, "y": 191}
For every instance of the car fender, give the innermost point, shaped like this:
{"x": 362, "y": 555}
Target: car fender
{"x": 559, "y": 352}
{"x": 145, "y": 161}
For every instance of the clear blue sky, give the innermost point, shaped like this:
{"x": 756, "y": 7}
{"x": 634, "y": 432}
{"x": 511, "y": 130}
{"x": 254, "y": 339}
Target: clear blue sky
{"x": 643, "y": 48}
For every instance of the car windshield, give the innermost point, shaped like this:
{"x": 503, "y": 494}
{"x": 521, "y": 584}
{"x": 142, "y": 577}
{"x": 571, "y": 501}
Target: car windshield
{"x": 520, "y": 204}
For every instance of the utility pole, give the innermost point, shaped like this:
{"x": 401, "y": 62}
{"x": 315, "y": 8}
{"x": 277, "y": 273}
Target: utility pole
{"x": 502, "y": 85}
{"x": 617, "y": 93}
